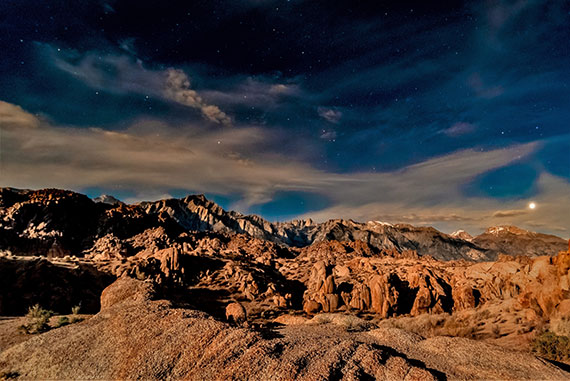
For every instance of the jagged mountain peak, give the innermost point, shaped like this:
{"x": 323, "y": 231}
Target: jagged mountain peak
{"x": 462, "y": 234}
{"x": 504, "y": 229}
{"x": 82, "y": 221}
{"x": 107, "y": 199}
{"x": 381, "y": 223}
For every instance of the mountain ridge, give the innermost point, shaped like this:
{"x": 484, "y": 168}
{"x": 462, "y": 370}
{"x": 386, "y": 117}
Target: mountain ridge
{"x": 71, "y": 221}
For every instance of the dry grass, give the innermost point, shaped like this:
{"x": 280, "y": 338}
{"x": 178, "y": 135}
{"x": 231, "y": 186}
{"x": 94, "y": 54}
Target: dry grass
{"x": 9, "y": 376}
{"x": 349, "y": 322}
{"x": 430, "y": 325}
{"x": 550, "y": 345}
{"x": 38, "y": 320}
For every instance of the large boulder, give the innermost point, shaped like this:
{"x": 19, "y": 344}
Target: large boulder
{"x": 236, "y": 313}
{"x": 127, "y": 290}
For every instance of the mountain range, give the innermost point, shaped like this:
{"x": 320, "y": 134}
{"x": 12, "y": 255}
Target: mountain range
{"x": 56, "y": 223}
{"x": 181, "y": 288}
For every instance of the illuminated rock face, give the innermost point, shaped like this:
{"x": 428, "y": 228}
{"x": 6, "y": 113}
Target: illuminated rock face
{"x": 138, "y": 336}
{"x": 57, "y": 223}
{"x": 216, "y": 272}
{"x": 392, "y": 286}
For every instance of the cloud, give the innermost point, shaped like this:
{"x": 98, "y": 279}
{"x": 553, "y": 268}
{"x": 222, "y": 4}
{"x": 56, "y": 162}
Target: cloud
{"x": 472, "y": 214}
{"x": 329, "y": 114}
{"x": 281, "y": 88}
{"x": 263, "y": 91}
{"x": 177, "y": 88}
{"x": 13, "y": 116}
{"x": 482, "y": 89}
{"x": 459, "y": 129}
{"x": 328, "y": 135}
{"x": 152, "y": 158}
{"x": 122, "y": 74}
{"x": 509, "y": 213}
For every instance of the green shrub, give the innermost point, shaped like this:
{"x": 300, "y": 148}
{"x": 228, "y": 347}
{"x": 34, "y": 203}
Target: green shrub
{"x": 38, "y": 320}
{"x": 74, "y": 314}
{"x": 75, "y": 309}
{"x": 9, "y": 375}
{"x": 63, "y": 320}
{"x": 550, "y": 345}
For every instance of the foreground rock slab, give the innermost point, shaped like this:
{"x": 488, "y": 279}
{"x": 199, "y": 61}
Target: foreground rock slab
{"x": 137, "y": 337}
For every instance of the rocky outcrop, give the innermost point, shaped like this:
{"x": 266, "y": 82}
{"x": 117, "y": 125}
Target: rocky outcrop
{"x": 515, "y": 241}
{"x": 236, "y": 313}
{"x": 56, "y": 223}
{"x": 388, "y": 287}
{"x": 127, "y": 291}
{"x": 462, "y": 234}
{"x": 136, "y": 337}
{"x": 464, "y": 359}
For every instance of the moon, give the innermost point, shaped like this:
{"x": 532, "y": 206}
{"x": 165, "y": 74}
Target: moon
{"x": 532, "y": 205}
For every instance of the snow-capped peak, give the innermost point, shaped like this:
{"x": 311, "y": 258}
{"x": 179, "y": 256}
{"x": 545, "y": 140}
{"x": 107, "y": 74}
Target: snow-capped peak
{"x": 462, "y": 234}
{"x": 107, "y": 199}
{"x": 380, "y": 223}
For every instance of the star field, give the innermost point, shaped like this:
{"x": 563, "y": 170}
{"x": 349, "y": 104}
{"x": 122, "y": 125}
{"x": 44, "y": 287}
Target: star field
{"x": 324, "y": 108}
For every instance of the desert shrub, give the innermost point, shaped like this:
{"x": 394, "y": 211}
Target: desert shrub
{"x": 550, "y": 345}
{"x": 63, "y": 320}
{"x": 349, "y": 322}
{"x": 426, "y": 325}
{"x": 431, "y": 325}
{"x": 75, "y": 309}
{"x": 74, "y": 314}
{"x": 481, "y": 315}
{"x": 38, "y": 320}
{"x": 456, "y": 328}
{"x": 9, "y": 375}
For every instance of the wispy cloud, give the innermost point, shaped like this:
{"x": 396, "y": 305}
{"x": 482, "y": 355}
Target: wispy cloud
{"x": 153, "y": 158}
{"x": 177, "y": 88}
{"x": 329, "y": 135}
{"x": 263, "y": 91}
{"x": 482, "y": 89}
{"x": 329, "y": 114}
{"x": 509, "y": 213}
{"x": 123, "y": 74}
{"x": 459, "y": 129}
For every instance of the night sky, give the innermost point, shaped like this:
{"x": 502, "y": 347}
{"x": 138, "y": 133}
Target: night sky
{"x": 449, "y": 114}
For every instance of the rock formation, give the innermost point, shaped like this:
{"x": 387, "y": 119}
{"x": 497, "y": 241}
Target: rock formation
{"x": 58, "y": 223}
{"x": 236, "y": 313}
{"x": 402, "y": 286}
{"x": 136, "y": 337}
{"x": 184, "y": 267}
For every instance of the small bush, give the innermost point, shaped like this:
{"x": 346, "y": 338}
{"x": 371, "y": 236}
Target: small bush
{"x": 63, "y": 320}
{"x": 428, "y": 325}
{"x": 550, "y": 345}
{"x": 456, "y": 328}
{"x": 74, "y": 314}
{"x": 349, "y": 322}
{"x": 9, "y": 375}
{"x": 38, "y": 320}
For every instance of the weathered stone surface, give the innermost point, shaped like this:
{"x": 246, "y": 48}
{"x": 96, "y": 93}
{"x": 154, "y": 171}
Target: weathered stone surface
{"x": 236, "y": 313}
{"x": 134, "y": 337}
{"x": 56, "y": 223}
